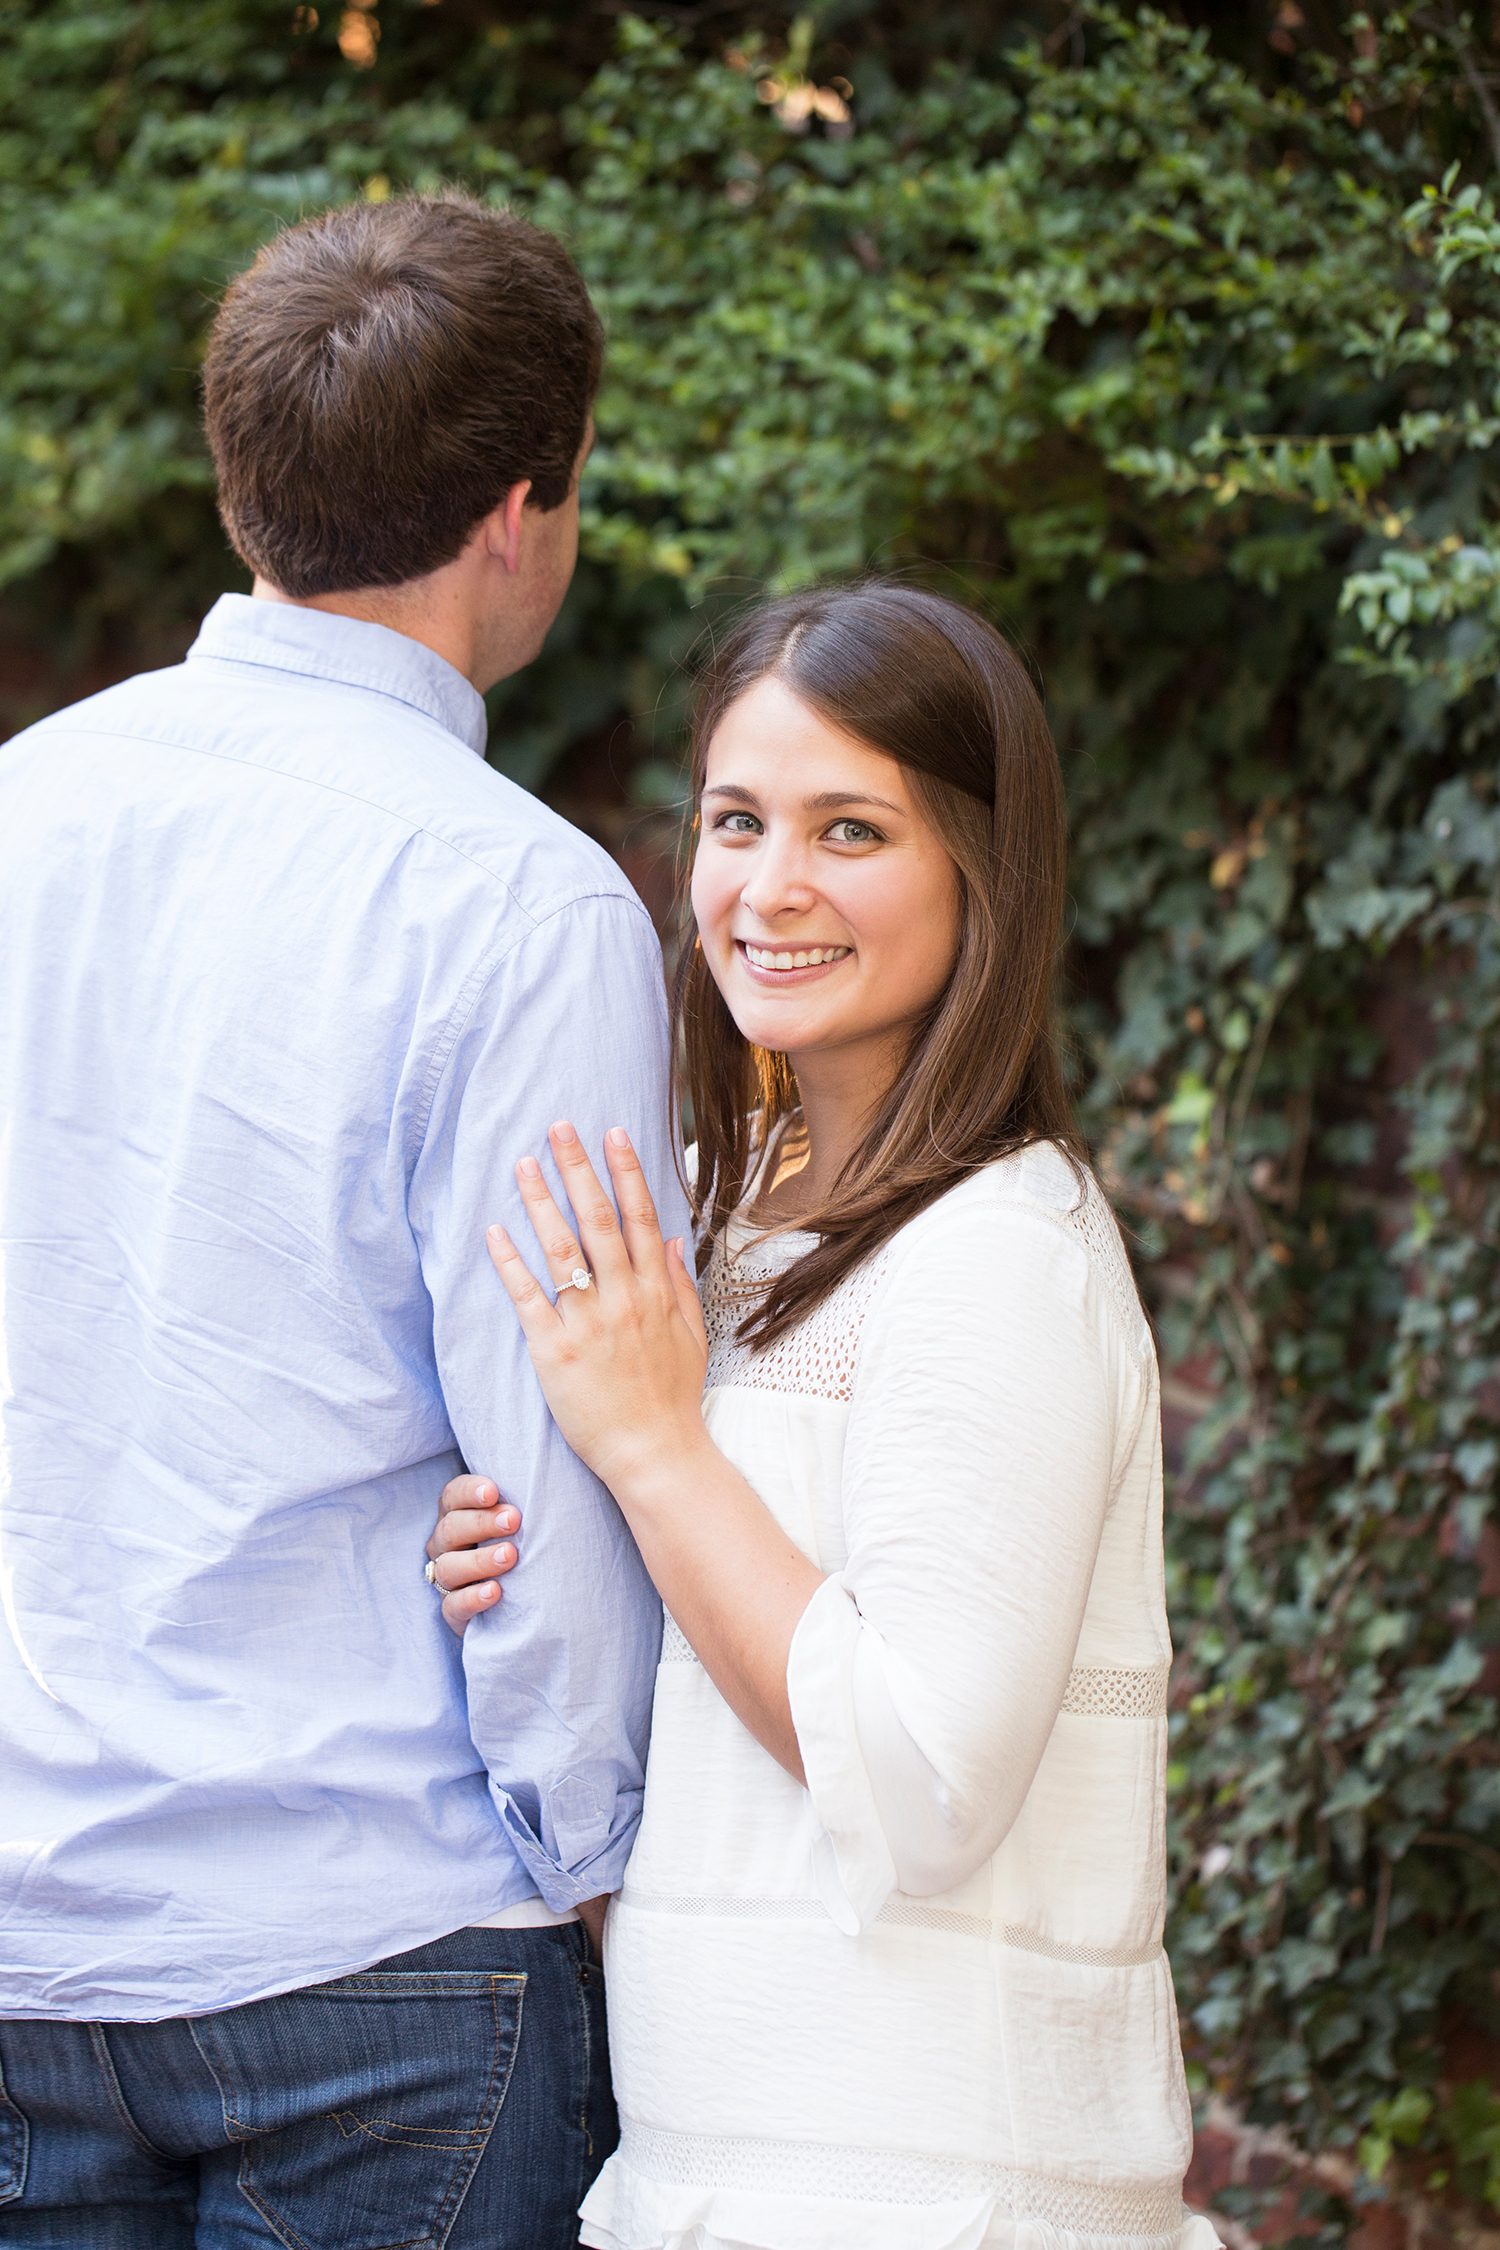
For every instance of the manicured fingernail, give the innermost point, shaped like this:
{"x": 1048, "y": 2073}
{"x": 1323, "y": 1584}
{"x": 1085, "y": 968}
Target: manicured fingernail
{"x": 501, "y": 1558}
{"x": 496, "y": 1234}
{"x": 619, "y": 1136}
{"x": 483, "y": 1495}
{"x": 488, "y": 1593}
{"x": 563, "y": 1131}
{"x": 529, "y": 1168}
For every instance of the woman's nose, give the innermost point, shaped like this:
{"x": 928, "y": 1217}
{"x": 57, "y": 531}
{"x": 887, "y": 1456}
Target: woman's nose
{"x": 776, "y": 889}
{"x": 776, "y": 883}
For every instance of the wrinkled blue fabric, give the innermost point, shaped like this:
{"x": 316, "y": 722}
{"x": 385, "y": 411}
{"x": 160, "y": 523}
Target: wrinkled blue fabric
{"x": 289, "y": 978}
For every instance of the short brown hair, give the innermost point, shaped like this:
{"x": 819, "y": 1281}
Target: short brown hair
{"x": 933, "y": 685}
{"x": 380, "y": 378}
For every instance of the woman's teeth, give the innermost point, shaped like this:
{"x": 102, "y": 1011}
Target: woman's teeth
{"x": 812, "y": 959}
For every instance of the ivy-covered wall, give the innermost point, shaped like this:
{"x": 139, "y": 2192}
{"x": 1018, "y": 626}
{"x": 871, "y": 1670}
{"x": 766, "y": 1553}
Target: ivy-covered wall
{"x": 1180, "y": 348}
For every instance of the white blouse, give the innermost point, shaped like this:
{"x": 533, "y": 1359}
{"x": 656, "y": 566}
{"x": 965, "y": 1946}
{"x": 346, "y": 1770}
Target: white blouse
{"x": 922, "y": 2003}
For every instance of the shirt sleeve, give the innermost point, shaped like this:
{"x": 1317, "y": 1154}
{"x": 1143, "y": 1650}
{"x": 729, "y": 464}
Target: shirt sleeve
{"x": 571, "y": 1023}
{"x": 926, "y": 1676}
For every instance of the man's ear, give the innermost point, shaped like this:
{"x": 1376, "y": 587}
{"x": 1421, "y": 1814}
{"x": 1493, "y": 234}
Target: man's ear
{"x": 502, "y": 528}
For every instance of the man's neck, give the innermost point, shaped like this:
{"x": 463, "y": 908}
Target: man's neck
{"x": 488, "y": 610}
{"x": 418, "y": 610}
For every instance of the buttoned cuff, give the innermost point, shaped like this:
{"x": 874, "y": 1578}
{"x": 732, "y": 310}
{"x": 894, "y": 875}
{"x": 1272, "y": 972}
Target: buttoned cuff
{"x": 570, "y": 1872}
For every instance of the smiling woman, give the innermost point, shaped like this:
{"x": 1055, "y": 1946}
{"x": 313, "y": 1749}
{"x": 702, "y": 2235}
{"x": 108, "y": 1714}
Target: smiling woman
{"x": 886, "y": 1970}
{"x": 873, "y": 770}
{"x": 825, "y": 905}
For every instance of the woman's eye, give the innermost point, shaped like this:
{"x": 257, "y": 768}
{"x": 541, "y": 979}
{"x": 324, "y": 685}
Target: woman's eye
{"x": 737, "y": 824}
{"x": 853, "y": 832}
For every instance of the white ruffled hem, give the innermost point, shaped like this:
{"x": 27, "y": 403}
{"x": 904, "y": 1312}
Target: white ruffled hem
{"x": 624, "y": 2211}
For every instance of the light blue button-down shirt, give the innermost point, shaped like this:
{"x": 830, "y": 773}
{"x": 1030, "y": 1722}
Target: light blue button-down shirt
{"x": 289, "y": 978}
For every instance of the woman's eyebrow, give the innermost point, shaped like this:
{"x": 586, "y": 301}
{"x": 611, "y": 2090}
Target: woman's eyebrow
{"x": 827, "y": 800}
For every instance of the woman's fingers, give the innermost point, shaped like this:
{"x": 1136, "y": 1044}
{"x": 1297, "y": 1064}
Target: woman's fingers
{"x": 638, "y": 1220}
{"x": 473, "y": 1566}
{"x": 468, "y": 1578}
{"x": 533, "y": 1304}
{"x": 610, "y": 1246}
{"x": 474, "y": 1492}
{"x": 471, "y": 1527}
{"x": 560, "y": 1247}
{"x": 468, "y": 1602}
{"x": 470, "y": 1549}
{"x": 603, "y": 1244}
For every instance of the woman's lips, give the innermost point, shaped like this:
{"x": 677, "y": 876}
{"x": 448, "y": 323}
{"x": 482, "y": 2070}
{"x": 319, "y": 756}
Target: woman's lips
{"x": 764, "y": 963}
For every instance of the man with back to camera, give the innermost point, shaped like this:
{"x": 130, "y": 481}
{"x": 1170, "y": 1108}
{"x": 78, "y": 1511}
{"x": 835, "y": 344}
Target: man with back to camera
{"x": 290, "y": 1879}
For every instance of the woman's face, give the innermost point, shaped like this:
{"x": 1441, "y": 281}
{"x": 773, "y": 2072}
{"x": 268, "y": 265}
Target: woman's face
{"x": 827, "y": 908}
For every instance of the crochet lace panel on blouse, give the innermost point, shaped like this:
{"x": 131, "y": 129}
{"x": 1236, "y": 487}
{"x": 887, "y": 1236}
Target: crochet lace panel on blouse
{"x": 818, "y": 1358}
{"x": 1092, "y": 1223}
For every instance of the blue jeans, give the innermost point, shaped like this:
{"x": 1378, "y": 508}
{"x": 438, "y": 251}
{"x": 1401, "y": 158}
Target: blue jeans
{"x": 452, "y": 2098}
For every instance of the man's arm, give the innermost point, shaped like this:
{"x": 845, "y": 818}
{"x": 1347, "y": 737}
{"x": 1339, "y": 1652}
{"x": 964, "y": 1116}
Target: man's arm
{"x": 571, "y": 1022}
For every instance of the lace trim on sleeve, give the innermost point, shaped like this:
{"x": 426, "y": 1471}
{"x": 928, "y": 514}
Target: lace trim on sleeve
{"x": 1094, "y": 1691}
{"x": 1113, "y": 1691}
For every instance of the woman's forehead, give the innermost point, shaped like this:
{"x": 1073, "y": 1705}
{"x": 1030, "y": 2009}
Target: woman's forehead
{"x": 769, "y": 741}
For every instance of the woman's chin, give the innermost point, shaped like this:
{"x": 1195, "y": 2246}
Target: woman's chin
{"x": 779, "y": 1029}
{"x": 800, "y": 1019}
{"x": 772, "y": 1037}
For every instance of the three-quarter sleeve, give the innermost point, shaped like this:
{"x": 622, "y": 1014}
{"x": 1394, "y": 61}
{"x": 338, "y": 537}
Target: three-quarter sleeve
{"x": 925, "y": 1677}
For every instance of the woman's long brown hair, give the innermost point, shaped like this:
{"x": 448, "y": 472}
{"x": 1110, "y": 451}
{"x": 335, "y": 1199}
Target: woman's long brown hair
{"x": 935, "y": 687}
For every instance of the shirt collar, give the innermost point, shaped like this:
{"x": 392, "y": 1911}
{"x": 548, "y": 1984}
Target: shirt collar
{"x": 322, "y": 645}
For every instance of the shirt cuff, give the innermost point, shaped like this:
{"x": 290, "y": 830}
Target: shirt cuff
{"x": 852, "y": 1863}
{"x": 568, "y": 1883}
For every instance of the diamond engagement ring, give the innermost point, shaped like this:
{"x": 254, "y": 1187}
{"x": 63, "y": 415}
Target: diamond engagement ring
{"x": 430, "y": 1574}
{"x": 578, "y": 1279}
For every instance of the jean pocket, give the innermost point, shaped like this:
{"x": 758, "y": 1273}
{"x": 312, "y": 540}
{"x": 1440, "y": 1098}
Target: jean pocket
{"x": 365, "y": 2104}
{"x": 15, "y": 2137}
